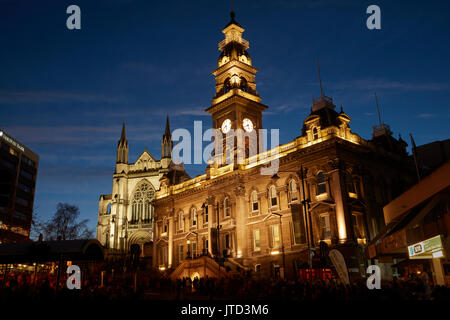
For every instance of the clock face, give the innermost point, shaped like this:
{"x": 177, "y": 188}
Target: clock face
{"x": 247, "y": 124}
{"x": 226, "y": 126}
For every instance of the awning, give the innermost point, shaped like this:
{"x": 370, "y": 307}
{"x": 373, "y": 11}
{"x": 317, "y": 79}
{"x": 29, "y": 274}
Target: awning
{"x": 46, "y": 251}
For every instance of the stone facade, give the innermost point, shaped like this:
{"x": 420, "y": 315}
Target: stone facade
{"x": 236, "y": 212}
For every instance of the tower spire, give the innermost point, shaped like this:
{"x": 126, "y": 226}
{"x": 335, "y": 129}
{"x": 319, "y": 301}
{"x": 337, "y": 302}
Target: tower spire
{"x": 122, "y": 147}
{"x": 166, "y": 143}
{"x": 123, "y": 135}
{"x": 167, "y": 131}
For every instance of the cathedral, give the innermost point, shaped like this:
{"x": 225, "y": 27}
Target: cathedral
{"x": 328, "y": 193}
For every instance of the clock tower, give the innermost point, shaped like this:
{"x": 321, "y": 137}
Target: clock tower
{"x": 236, "y": 103}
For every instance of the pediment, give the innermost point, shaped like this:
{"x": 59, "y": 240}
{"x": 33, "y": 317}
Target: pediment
{"x": 144, "y": 158}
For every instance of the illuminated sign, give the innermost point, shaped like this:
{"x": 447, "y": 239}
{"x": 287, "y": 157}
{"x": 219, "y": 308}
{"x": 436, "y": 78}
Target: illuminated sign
{"x": 11, "y": 141}
{"x": 427, "y": 249}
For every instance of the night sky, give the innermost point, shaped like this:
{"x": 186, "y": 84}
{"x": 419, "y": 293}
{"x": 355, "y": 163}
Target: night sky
{"x": 64, "y": 94}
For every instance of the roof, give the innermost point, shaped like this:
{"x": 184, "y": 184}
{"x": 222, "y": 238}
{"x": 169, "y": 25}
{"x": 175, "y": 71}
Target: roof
{"x": 425, "y": 189}
{"x": 46, "y": 251}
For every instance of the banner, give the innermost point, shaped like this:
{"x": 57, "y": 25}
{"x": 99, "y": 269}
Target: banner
{"x": 339, "y": 263}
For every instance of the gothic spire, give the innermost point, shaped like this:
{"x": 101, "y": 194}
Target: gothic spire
{"x": 166, "y": 143}
{"x": 122, "y": 147}
{"x": 123, "y": 136}
{"x": 167, "y": 131}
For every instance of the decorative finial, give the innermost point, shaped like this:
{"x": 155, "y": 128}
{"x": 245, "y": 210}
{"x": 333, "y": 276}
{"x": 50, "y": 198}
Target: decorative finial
{"x": 342, "y": 110}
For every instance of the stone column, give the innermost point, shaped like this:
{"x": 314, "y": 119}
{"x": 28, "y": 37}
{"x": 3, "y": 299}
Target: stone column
{"x": 170, "y": 249}
{"x": 241, "y": 220}
{"x": 343, "y": 218}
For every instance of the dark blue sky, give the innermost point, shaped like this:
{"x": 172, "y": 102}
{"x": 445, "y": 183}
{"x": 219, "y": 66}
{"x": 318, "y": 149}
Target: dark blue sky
{"x": 65, "y": 93}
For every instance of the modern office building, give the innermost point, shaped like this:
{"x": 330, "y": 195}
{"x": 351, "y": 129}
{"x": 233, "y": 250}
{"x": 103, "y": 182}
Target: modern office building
{"x": 18, "y": 172}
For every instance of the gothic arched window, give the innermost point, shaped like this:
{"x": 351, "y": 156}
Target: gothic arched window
{"x": 141, "y": 209}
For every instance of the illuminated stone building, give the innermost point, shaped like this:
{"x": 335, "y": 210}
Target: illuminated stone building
{"x": 126, "y": 216}
{"x": 18, "y": 173}
{"x": 257, "y": 221}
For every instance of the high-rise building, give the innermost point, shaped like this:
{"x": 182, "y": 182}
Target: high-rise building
{"x": 18, "y": 172}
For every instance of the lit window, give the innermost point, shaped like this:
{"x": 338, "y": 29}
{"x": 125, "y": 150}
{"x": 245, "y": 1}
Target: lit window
{"x": 254, "y": 198}
{"x": 293, "y": 195}
{"x": 321, "y": 184}
{"x": 276, "y": 236}
{"x": 141, "y": 209}
{"x": 273, "y": 196}
{"x": 257, "y": 240}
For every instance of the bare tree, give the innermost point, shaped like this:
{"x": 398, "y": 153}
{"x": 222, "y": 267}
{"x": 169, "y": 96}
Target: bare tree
{"x": 65, "y": 225}
{"x": 37, "y": 225}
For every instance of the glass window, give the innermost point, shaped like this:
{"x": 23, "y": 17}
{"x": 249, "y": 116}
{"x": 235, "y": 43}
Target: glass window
{"x": 180, "y": 221}
{"x": 356, "y": 226}
{"x": 193, "y": 217}
{"x": 206, "y": 214}
{"x": 141, "y": 209}
{"x": 22, "y": 202}
{"x": 276, "y": 236}
{"x": 350, "y": 184}
{"x": 325, "y": 225}
{"x": 254, "y": 198}
{"x": 256, "y": 240}
{"x": 293, "y": 194}
{"x": 273, "y": 196}
{"x": 226, "y": 205}
{"x": 321, "y": 183}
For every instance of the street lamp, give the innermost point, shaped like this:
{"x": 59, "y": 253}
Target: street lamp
{"x": 305, "y": 202}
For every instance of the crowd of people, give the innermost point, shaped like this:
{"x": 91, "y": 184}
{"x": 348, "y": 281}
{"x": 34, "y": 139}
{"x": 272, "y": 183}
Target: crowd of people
{"x": 132, "y": 285}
